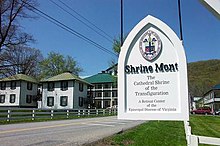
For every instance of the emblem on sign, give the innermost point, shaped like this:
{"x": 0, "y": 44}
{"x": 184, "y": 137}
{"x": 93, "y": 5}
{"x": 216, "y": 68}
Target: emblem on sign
{"x": 150, "y": 45}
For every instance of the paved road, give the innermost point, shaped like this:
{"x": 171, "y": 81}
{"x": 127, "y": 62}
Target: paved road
{"x": 62, "y": 133}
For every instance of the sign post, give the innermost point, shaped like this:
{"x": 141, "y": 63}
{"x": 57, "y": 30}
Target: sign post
{"x": 152, "y": 74}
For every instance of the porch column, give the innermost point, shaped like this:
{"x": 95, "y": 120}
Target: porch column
{"x": 102, "y": 101}
{"x": 111, "y": 97}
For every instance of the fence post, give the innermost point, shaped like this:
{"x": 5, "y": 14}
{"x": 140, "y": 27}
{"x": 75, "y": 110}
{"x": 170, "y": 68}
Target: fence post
{"x": 88, "y": 112}
{"x": 9, "y": 115}
{"x": 109, "y": 111}
{"x": 97, "y": 112}
{"x": 194, "y": 141}
{"x": 51, "y": 115}
{"x": 67, "y": 114}
{"x": 33, "y": 116}
{"x": 103, "y": 112}
{"x": 187, "y": 132}
{"x": 83, "y": 112}
{"x": 78, "y": 113}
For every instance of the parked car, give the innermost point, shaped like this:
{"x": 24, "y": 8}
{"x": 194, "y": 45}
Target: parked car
{"x": 217, "y": 112}
{"x": 202, "y": 110}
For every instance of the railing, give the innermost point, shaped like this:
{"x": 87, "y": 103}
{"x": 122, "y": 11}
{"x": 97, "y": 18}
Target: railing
{"x": 194, "y": 140}
{"x": 35, "y": 114}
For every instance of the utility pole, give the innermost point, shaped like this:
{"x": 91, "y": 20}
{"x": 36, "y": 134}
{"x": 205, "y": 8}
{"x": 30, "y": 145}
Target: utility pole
{"x": 122, "y": 36}
{"x": 180, "y": 21}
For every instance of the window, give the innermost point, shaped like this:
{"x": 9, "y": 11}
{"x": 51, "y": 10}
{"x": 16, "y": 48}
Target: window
{"x": 13, "y": 85}
{"x": 98, "y": 86}
{"x": 81, "y": 87}
{"x": 107, "y": 94}
{"x": 98, "y": 94}
{"x": 64, "y": 85}
{"x": 98, "y": 104}
{"x": 107, "y": 86}
{"x": 63, "y": 101}
{"x": 29, "y": 86}
{"x": 12, "y": 98}
{"x": 3, "y": 85}
{"x": 50, "y": 101}
{"x": 114, "y": 94}
{"x": 2, "y": 98}
{"x": 28, "y": 98}
{"x": 114, "y": 85}
{"x": 51, "y": 86}
{"x": 107, "y": 103}
{"x": 80, "y": 101}
{"x": 115, "y": 102}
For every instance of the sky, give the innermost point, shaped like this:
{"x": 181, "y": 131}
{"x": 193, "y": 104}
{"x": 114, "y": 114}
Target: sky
{"x": 201, "y": 29}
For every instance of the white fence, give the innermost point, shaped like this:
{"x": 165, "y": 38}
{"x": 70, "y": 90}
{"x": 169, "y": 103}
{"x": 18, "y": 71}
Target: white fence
{"x": 194, "y": 140}
{"x": 34, "y": 114}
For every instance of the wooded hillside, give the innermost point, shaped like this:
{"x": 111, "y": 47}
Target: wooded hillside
{"x": 202, "y": 76}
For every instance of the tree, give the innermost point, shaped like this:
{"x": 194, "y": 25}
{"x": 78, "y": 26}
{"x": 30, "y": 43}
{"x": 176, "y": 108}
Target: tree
{"x": 117, "y": 44}
{"x": 11, "y": 11}
{"x": 202, "y": 76}
{"x": 20, "y": 59}
{"x": 56, "y": 64}
{"x": 116, "y": 48}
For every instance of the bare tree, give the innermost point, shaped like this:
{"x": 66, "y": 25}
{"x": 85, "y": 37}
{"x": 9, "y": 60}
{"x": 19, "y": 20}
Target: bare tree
{"x": 11, "y": 12}
{"x": 20, "y": 59}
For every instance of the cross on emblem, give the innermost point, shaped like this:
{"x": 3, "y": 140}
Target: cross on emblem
{"x": 150, "y": 45}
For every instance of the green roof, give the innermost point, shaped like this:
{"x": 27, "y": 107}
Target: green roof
{"x": 101, "y": 78}
{"x": 22, "y": 77}
{"x": 216, "y": 86}
{"x": 64, "y": 77}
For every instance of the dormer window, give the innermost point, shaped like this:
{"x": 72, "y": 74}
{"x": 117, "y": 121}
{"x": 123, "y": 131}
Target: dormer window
{"x": 13, "y": 85}
{"x": 29, "y": 86}
{"x": 81, "y": 87}
{"x": 64, "y": 85}
{"x": 51, "y": 86}
{"x": 3, "y": 85}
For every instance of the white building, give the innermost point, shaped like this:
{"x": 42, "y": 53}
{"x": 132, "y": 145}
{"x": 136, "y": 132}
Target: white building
{"x": 18, "y": 91}
{"x": 195, "y": 103}
{"x": 64, "y": 91}
{"x": 104, "y": 91}
{"x": 212, "y": 98}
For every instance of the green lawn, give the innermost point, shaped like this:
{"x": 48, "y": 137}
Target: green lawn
{"x": 153, "y": 133}
{"x": 205, "y": 125}
{"x": 164, "y": 133}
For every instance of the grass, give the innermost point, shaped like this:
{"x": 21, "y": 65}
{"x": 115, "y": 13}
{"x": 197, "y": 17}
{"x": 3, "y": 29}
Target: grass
{"x": 153, "y": 133}
{"x": 164, "y": 133}
{"x": 205, "y": 125}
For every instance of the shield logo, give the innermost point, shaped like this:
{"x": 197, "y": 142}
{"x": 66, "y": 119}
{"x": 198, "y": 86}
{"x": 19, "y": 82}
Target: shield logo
{"x": 150, "y": 45}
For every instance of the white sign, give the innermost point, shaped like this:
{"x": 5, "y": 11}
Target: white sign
{"x": 152, "y": 74}
{"x": 213, "y": 6}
